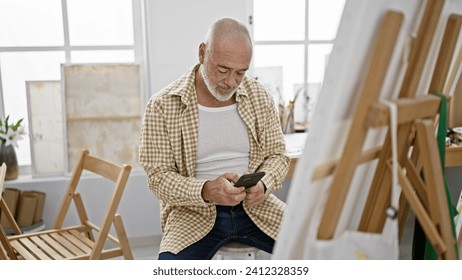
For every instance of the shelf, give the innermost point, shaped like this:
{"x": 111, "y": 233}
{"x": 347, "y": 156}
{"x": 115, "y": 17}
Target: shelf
{"x": 453, "y": 156}
{"x": 33, "y": 228}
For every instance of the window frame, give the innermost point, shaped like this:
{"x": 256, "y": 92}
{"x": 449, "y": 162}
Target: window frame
{"x": 306, "y": 43}
{"x": 138, "y": 47}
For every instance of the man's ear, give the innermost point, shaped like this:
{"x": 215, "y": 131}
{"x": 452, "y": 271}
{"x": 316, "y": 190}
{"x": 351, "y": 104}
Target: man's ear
{"x": 202, "y": 49}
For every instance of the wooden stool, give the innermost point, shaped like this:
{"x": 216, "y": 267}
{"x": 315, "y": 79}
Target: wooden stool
{"x": 236, "y": 249}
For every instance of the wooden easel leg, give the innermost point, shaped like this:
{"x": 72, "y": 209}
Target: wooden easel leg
{"x": 403, "y": 213}
{"x": 433, "y": 175}
{"x": 421, "y": 213}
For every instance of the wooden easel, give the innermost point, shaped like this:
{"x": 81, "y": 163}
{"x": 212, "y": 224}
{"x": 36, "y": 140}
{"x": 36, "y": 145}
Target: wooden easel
{"x": 414, "y": 165}
{"x": 454, "y": 153}
{"x": 426, "y": 196}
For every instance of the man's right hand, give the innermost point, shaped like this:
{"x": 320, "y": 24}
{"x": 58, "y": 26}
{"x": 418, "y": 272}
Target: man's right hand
{"x": 222, "y": 192}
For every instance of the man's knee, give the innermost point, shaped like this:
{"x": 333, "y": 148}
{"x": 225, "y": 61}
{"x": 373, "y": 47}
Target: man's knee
{"x": 167, "y": 256}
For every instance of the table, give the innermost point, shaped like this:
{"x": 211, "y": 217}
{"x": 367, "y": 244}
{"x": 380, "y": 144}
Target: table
{"x": 295, "y": 144}
{"x": 453, "y": 156}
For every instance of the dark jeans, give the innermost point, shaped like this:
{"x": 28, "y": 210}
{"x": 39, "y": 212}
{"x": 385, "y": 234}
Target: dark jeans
{"x": 232, "y": 223}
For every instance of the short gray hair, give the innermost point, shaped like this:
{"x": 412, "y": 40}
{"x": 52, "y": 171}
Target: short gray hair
{"x": 227, "y": 27}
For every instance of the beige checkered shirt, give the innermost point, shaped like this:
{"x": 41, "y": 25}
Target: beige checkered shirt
{"x": 168, "y": 145}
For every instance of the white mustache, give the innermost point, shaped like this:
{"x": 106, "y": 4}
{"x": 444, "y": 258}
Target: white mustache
{"x": 226, "y": 87}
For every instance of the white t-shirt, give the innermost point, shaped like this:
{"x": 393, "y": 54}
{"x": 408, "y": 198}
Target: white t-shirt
{"x": 223, "y": 144}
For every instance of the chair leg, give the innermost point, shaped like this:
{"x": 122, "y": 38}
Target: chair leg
{"x": 5, "y": 249}
{"x": 122, "y": 236}
{"x": 2, "y": 254}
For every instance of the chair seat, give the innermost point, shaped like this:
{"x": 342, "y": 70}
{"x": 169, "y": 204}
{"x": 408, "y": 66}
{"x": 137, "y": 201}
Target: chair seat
{"x": 237, "y": 249}
{"x": 59, "y": 244}
{"x": 52, "y": 245}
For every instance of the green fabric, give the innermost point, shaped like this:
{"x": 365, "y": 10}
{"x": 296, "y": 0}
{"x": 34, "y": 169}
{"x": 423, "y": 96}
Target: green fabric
{"x": 430, "y": 253}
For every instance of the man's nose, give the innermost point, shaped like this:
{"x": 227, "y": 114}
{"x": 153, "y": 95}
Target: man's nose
{"x": 231, "y": 79}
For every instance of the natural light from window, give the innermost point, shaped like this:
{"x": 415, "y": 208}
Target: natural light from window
{"x": 102, "y": 22}
{"x": 31, "y": 23}
{"x": 100, "y": 31}
{"x": 293, "y": 40}
{"x": 292, "y": 46}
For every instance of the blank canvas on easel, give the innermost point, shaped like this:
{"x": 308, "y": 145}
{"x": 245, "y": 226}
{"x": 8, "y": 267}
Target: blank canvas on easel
{"x": 103, "y": 111}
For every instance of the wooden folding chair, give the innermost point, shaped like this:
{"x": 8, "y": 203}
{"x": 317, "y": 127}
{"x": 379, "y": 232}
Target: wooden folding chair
{"x": 85, "y": 240}
{"x": 5, "y": 247}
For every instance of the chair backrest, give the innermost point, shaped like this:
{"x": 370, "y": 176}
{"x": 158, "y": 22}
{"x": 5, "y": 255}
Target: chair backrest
{"x": 2, "y": 176}
{"x": 116, "y": 173}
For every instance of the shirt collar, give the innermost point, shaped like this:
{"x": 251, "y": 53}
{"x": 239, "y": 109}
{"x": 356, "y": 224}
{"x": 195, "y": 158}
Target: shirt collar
{"x": 186, "y": 86}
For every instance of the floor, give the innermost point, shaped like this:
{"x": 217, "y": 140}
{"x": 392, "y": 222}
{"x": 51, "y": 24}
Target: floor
{"x": 149, "y": 252}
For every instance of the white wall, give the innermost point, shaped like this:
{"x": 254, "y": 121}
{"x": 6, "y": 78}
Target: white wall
{"x": 175, "y": 28}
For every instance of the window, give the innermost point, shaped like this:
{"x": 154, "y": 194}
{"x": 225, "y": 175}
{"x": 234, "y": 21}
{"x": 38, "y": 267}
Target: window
{"x": 38, "y": 36}
{"x": 295, "y": 38}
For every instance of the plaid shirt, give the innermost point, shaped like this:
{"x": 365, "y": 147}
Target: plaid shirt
{"x": 168, "y": 146}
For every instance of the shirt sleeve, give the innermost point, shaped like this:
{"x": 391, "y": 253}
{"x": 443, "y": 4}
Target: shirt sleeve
{"x": 157, "y": 158}
{"x": 275, "y": 161}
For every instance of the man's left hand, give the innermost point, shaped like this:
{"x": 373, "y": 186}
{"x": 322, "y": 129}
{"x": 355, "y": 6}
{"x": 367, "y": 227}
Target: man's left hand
{"x": 255, "y": 195}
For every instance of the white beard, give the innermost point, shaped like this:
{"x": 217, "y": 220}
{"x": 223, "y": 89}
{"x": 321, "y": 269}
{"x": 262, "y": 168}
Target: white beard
{"x": 212, "y": 89}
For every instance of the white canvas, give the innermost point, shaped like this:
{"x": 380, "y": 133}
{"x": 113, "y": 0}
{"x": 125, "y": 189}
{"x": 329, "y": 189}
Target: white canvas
{"x": 46, "y": 127}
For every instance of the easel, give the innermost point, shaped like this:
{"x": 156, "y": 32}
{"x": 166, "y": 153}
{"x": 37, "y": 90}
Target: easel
{"x": 414, "y": 166}
{"x": 454, "y": 153}
{"x": 426, "y": 196}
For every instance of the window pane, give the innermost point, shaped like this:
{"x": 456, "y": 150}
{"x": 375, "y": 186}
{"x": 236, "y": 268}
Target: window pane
{"x": 289, "y": 57}
{"x": 102, "y": 56}
{"x": 324, "y": 18}
{"x": 17, "y": 68}
{"x": 317, "y": 61}
{"x": 318, "y": 57}
{"x": 31, "y": 23}
{"x": 100, "y": 22}
{"x": 279, "y": 20}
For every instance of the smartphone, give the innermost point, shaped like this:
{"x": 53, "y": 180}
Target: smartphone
{"x": 249, "y": 180}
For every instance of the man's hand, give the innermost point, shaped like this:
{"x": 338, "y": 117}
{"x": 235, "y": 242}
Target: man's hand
{"x": 222, "y": 192}
{"x": 255, "y": 195}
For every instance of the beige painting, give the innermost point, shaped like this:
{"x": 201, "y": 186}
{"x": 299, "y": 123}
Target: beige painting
{"x": 46, "y": 127}
{"x": 102, "y": 108}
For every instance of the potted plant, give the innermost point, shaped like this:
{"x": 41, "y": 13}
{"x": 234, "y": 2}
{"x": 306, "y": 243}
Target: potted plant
{"x": 10, "y": 134}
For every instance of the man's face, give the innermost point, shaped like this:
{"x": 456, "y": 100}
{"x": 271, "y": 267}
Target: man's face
{"x": 224, "y": 68}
